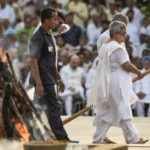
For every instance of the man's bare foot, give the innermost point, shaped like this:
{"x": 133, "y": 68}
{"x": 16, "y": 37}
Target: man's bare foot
{"x": 142, "y": 141}
{"x": 108, "y": 141}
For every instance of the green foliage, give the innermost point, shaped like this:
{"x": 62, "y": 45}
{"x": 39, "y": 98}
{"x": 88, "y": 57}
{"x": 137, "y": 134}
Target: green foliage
{"x": 146, "y": 10}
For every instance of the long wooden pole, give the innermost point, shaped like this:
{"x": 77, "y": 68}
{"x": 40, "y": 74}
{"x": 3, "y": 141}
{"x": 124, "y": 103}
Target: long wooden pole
{"x": 77, "y": 114}
{"x": 145, "y": 73}
{"x": 81, "y": 112}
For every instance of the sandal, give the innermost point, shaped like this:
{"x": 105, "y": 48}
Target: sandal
{"x": 141, "y": 141}
{"x": 108, "y": 141}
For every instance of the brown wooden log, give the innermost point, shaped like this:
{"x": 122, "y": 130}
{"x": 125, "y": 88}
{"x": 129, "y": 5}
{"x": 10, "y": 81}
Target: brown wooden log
{"x": 77, "y": 114}
{"x": 91, "y": 106}
{"x": 61, "y": 145}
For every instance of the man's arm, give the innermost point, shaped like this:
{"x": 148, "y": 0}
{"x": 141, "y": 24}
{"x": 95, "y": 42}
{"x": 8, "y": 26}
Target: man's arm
{"x": 36, "y": 76}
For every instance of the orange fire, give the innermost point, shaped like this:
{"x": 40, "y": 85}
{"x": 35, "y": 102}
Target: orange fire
{"x": 1, "y": 131}
{"x": 22, "y": 130}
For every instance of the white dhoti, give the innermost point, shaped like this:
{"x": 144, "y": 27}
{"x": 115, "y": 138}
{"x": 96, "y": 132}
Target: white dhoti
{"x": 130, "y": 132}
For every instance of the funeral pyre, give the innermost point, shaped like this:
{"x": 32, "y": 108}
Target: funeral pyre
{"x": 19, "y": 118}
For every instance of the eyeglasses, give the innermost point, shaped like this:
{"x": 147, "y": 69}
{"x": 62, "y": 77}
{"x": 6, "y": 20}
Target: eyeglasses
{"x": 123, "y": 34}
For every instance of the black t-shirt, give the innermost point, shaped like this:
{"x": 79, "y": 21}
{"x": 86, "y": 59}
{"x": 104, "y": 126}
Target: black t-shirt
{"x": 42, "y": 48}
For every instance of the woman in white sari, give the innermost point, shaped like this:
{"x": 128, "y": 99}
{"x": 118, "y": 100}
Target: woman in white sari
{"x": 112, "y": 88}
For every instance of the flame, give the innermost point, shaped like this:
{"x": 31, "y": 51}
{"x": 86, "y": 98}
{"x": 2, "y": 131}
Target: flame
{"x": 1, "y": 131}
{"x": 22, "y": 130}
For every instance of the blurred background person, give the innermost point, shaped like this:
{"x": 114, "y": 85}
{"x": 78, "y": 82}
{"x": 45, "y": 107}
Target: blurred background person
{"x": 72, "y": 76}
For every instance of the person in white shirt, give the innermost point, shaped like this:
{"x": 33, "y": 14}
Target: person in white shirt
{"x": 93, "y": 30}
{"x": 72, "y": 76}
{"x": 142, "y": 90}
{"x": 112, "y": 88}
{"x": 145, "y": 29}
{"x": 133, "y": 33}
{"x": 105, "y": 36}
{"x": 137, "y": 13}
{"x": 6, "y": 11}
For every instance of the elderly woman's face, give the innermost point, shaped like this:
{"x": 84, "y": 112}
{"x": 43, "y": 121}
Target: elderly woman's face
{"x": 121, "y": 35}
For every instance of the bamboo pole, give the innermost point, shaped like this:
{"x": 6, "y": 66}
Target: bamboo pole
{"x": 81, "y": 112}
{"x": 145, "y": 73}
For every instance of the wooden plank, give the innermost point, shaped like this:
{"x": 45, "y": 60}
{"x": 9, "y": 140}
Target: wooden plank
{"x": 67, "y": 146}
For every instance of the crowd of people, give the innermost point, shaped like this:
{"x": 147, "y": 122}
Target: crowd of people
{"x": 77, "y": 49}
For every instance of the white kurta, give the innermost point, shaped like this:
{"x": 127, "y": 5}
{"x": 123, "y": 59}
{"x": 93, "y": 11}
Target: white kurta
{"x": 120, "y": 88}
{"x": 143, "y": 86}
{"x": 72, "y": 79}
{"x": 103, "y": 37}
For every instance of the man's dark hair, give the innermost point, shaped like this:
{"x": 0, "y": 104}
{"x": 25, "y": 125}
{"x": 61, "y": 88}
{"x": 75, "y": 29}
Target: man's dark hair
{"x": 47, "y": 13}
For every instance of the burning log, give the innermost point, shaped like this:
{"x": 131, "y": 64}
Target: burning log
{"x": 20, "y": 119}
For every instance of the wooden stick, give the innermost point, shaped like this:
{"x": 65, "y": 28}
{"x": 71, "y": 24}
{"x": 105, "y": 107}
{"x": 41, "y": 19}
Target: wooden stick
{"x": 91, "y": 106}
{"x": 145, "y": 73}
{"x": 77, "y": 114}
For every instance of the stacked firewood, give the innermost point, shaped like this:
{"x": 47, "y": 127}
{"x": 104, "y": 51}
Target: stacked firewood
{"x": 20, "y": 119}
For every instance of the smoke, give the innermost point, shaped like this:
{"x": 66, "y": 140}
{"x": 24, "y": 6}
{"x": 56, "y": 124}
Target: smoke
{"x": 10, "y": 145}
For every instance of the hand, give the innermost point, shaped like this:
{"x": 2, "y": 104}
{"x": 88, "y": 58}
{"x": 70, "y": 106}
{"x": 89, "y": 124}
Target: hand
{"x": 72, "y": 89}
{"x": 61, "y": 29}
{"x": 40, "y": 90}
{"x": 140, "y": 75}
{"x": 61, "y": 86}
{"x": 141, "y": 95}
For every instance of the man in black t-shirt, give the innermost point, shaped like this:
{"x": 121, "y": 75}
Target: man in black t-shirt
{"x": 44, "y": 73}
